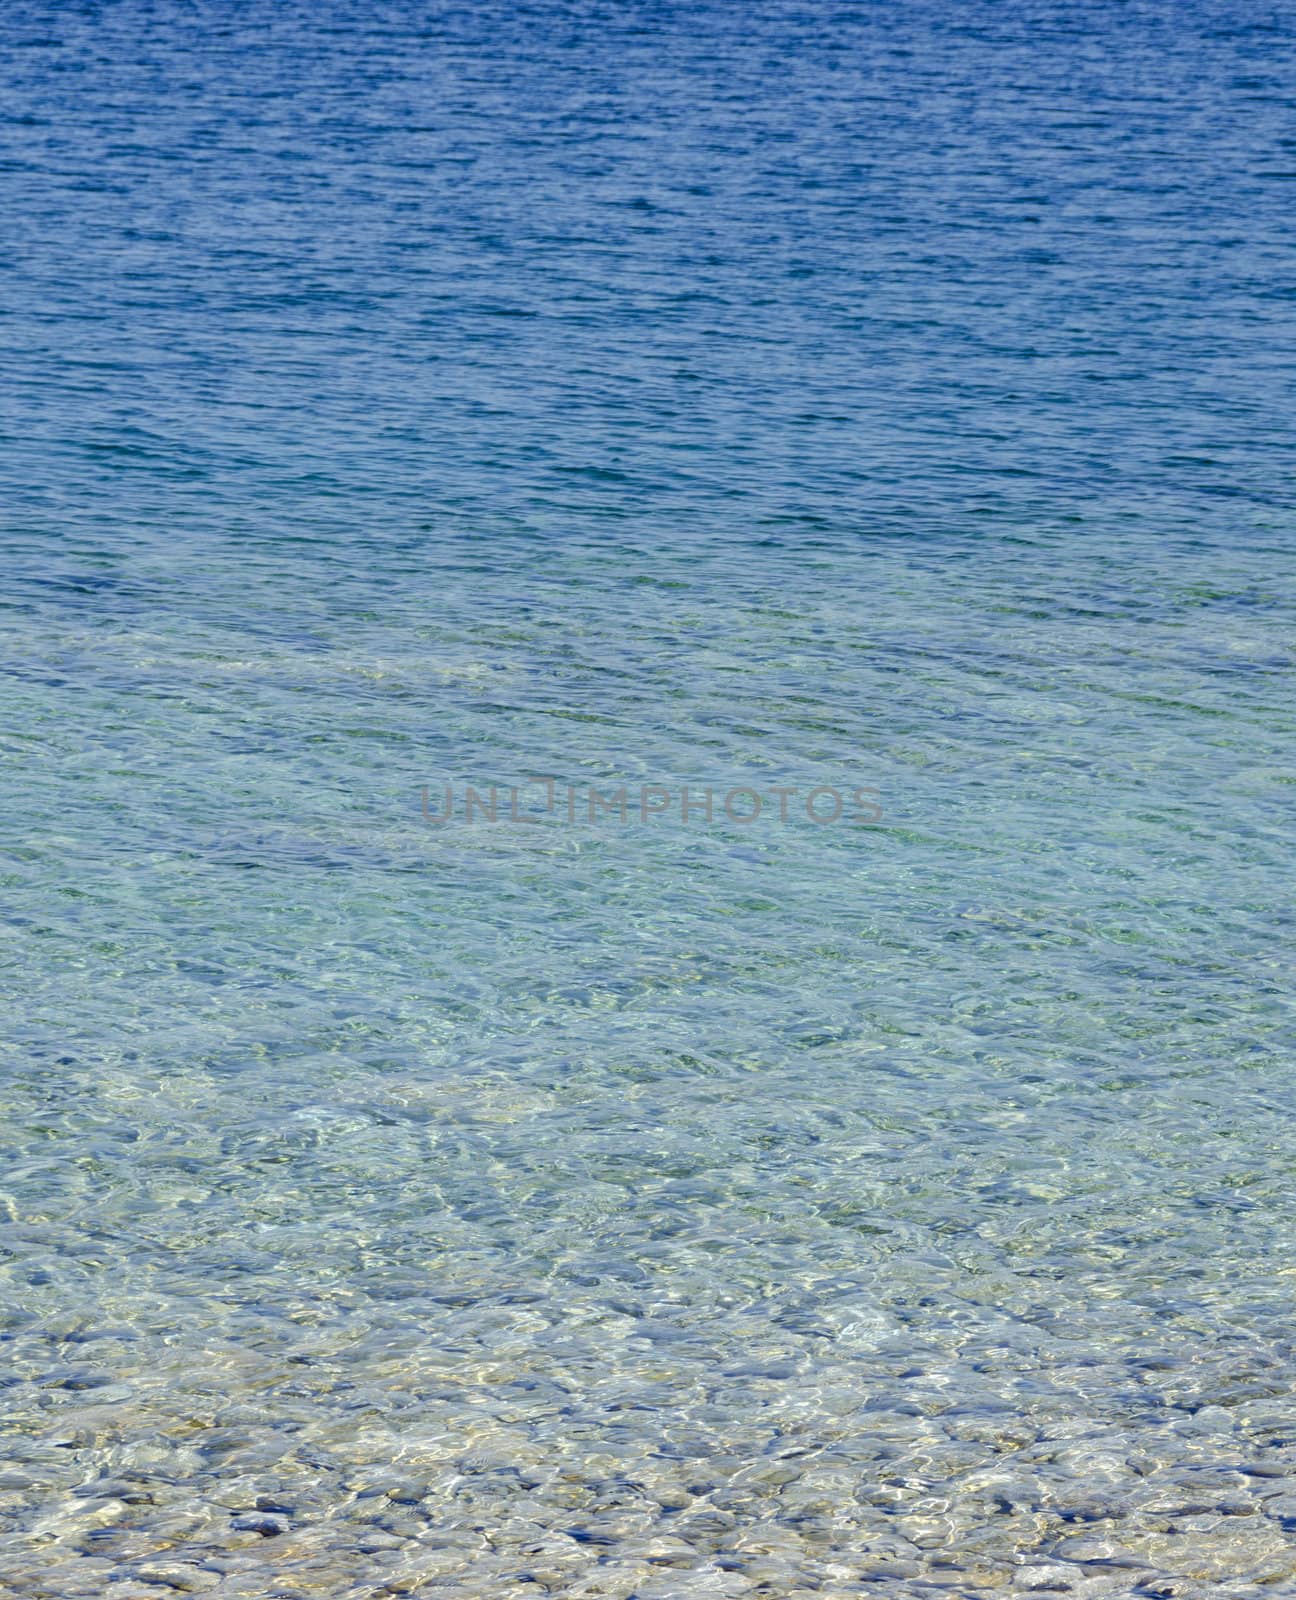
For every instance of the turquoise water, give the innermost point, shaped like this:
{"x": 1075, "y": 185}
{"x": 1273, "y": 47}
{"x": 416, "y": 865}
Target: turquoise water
{"x": 647, "y": 396}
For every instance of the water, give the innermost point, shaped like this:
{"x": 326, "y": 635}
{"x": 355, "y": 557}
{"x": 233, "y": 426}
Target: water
{"x": 642, "y": 394}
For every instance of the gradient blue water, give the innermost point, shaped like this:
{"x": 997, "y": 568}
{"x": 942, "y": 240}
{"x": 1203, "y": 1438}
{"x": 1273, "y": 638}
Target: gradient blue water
{"x": 777, "y": 395}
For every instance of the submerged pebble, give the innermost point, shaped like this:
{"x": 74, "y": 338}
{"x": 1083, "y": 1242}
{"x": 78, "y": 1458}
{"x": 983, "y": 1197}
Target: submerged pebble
{"x": 259, "y": 1522}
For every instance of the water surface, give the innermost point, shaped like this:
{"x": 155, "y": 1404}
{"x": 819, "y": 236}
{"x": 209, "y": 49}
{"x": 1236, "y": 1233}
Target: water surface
{"x": 777, "y": 395}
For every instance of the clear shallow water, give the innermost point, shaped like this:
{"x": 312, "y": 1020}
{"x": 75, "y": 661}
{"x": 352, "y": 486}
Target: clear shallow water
{"x": 640, "y": 394}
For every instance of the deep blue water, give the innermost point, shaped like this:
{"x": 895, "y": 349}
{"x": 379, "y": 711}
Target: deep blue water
{"x": 775, "y": 397}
